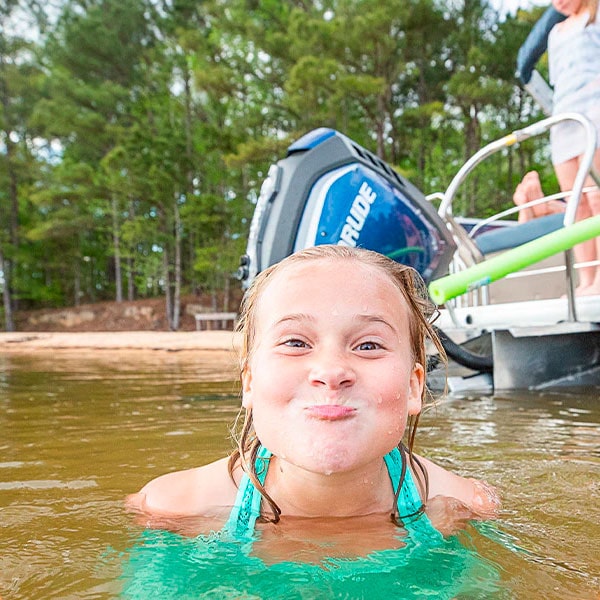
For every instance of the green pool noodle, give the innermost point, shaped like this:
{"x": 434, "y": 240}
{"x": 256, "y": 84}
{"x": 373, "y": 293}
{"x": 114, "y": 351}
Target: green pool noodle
{"x": 518, "y": 258}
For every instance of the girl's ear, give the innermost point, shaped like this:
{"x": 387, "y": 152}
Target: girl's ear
{"x": 247, "y": 387}
{"x": 415, "y": 389}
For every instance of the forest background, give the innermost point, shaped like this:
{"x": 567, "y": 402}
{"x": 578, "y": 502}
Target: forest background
{"x": 135, "y": 134}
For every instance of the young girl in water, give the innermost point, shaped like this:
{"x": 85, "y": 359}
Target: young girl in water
{"x": 333, "y": 376}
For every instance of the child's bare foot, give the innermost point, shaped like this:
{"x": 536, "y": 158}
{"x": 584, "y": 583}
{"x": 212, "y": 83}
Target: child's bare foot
{"x": 529, "y": 189}
{"x": 588, "y": 290}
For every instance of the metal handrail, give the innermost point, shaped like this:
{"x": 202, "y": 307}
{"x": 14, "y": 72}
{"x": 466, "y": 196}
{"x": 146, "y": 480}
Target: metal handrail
{"x": 520, "y": 135}
{"x": 520, "y": 207}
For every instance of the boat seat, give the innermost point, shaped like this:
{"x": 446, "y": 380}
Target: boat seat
{"x": 511, "y": 236}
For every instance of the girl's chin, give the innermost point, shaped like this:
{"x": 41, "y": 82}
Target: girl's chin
{"x": 328, "y": 459}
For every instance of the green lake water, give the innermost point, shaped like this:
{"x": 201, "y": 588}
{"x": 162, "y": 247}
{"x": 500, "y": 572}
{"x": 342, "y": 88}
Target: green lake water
{"x": 78, "y": 434}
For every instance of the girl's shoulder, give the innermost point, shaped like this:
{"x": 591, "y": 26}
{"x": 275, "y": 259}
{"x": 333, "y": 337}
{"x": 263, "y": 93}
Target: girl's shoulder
{"x": 575, "y": 23}
{"x": 480, "y": 497}
{"x": 200, "y": 491}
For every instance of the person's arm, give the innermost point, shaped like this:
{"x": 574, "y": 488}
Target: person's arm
{"x": 192, "y": 492}
{"x": 479, "y": 497}
{"x": 173, "y": 493}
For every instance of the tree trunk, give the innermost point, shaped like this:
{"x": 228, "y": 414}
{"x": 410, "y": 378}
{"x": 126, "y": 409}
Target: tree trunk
{"x": 130, "y": 260}
{"x": 9, "y": 324}
{"x": 509, "y": 174}
{"x": 226, "y": 293}
{"x": 472, "y": 140}
{"x": 76, "y": 281}
{"x": 521, "y": 155}
{"x": 422, "y": 157}
{"x": 13, "y": 217}
{"x": 188, "y": 128}
{"x": 130, "y": 280}
{"x": 117, "y": 251}
{"x": 177, "y": 274}
{"x": 168, "y": 293}
{"x": 380, "y": 126}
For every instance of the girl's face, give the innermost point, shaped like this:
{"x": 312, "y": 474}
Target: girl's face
{"x": 331, "y": 379}
{"x": 568, "y": 7}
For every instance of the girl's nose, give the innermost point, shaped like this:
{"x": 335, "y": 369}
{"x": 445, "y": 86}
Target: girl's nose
{"x": 333, "y": 372}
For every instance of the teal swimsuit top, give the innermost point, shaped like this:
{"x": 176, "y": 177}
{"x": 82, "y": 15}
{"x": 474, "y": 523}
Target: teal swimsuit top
{"x": 223, "y": 565}
{"x": 246, "y": 510}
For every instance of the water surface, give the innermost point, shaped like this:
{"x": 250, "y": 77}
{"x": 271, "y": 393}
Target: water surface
{"x": 78, "y": 434}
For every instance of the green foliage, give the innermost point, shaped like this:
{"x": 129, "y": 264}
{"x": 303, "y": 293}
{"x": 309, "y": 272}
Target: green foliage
{"x": 138, "y": 133}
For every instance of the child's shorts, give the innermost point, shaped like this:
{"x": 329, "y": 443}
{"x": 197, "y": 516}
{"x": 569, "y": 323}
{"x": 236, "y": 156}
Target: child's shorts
{"x": 568, "y": 139}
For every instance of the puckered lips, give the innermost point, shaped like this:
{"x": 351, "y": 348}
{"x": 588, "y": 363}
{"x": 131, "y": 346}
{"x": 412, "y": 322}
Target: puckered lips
{"x": 330, "y": 412}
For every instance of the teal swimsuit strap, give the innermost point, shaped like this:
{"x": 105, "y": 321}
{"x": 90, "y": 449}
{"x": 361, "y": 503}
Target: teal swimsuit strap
{"x": 409, "y": 499}
{"x": 246, "y": 509}
{"x": 410, "y": 505}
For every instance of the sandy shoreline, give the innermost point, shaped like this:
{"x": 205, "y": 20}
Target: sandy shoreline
{"x": 159, "y": 341}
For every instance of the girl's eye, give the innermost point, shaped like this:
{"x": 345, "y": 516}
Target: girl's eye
{"x": 368, "y": 346}
{"x": 295, "y": 343}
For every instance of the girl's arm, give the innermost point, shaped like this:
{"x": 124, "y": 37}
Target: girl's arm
{"x": 478, "y": 496}
{"x": 193, "y": 492}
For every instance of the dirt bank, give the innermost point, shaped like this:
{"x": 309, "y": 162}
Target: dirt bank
{"x": 124, "y": 326}
{"x": 137, "y": 315}
{"x": 157, "y": 341}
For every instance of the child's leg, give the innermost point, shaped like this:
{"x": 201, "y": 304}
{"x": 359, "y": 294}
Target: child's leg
{"x": 593, "y": 200}
{"x": 566, "y": 172}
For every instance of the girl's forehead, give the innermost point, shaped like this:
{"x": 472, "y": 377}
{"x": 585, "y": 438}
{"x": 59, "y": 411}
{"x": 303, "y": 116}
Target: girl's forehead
{"x": 327, "y": 272}
{"x": 335, "y": 281}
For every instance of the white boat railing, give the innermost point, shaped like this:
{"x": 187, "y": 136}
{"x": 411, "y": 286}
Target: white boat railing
{"x": 515, "y": 209}
{"x": 467, "y": 250}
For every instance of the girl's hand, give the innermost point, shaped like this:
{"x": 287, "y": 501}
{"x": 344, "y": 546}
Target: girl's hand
{"x": 449, "y": 515}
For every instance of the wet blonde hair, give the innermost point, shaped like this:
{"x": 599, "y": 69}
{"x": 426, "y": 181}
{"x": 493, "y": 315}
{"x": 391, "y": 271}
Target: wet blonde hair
{"x": 421, "y": 315}
{"x": 592, "y": 7}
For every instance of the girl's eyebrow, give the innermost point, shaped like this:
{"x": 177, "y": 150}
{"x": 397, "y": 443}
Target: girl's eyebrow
{"x": 294, "y": 317}
{"x": 365, "y": 318}
{"x": 370, "y": 318}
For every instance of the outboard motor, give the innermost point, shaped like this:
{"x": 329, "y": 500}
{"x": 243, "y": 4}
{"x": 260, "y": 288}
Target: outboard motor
{"x": 330, "y": 190}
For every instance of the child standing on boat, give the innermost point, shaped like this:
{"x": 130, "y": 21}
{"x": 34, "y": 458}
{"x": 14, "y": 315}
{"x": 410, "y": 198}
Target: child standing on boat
{"x": 574, "y": 60}
{"x": 333, "y": 380}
